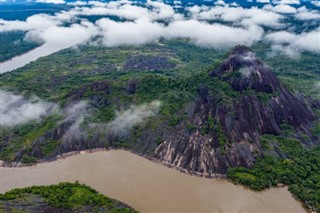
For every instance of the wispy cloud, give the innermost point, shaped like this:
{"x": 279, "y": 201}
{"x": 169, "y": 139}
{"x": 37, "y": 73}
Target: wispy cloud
{"x": 120, "y": 126}
{"x": 126, "y": 119}
{"x": 16, "y": 109}
{"x": 75, "y": 113}
{"x": 78, "y": 114}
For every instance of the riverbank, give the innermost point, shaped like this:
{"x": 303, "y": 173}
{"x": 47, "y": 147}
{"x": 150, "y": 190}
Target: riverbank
{"x": 152, "y": 159}
{"x": 147, "y": 186}
{"x": 28, "y": 57}
{"x": 18, "y": 55}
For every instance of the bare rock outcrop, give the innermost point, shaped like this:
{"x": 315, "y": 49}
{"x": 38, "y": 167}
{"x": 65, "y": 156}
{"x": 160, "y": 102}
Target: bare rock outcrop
{"x": 227, "y": 130}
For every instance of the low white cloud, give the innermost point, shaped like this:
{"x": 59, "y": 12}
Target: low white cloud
{"x": 143, "y": 31}
{"x": 220, "y": 2}
{"x": 160, "y": 10}
{"x": 316, "y": 3}
{"x": 138, "y": 32}
{"x": 51, "y": 1}
{"x": 281, "y": 37}
{"x": 49, "y": 29}
{"x": 263, "y": 18}
{"x": 75, "y": 113}
{"x": 286, "y": 2}
{"x": 237, "y": 15}
{"x": 306, "y": 14}
{"x": 126, "y": 11}
{"x": 77, "y": 3}
{"x": 78, "y": 114}
{"x": 75, "y": 110}
{"x": 16, "y": 109}
{"x": 283, "y": 8}
{"x": 64, "y": 36}
{"x": 308, "y": 41}
{"x": 292, "y": 44}
{"x": 126, "y": 119}
{"x": 213, "y": 35}
{"x": 248, "y": 71}
{"x": 234, "y": 4}
{"x": 217, "y": 26}
{"x": 35, "y": 22}
{"x": 103, "y": 4}
{"x": 263, "y": 1}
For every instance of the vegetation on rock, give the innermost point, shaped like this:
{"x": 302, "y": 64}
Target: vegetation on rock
{"x": 75, "y": 197}
{"x": 299, "y": 170}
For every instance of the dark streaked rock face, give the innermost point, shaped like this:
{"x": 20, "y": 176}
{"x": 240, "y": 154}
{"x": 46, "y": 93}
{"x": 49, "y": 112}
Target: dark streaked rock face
{"x": 250, "y": 72}
{"x": 99, "y": 86}
{"x": 29, "y": 203}
{"x": 132, "y": 84}
{"x": 148, "y": 63}
{"x": 242, "y": 121}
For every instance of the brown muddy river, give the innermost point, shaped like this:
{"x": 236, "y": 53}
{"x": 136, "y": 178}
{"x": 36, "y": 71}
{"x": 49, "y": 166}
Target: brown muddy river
{"x": 150, "y": 187}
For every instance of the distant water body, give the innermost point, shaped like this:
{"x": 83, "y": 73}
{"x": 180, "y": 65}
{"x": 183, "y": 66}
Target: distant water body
{"x": 21, "y": 60}
{"x": 150, "y": 187}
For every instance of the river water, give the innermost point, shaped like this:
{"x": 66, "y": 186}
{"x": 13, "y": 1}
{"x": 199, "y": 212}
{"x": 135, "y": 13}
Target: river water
{"x": 21, "y": 60}
{"x": 150, "y": 187}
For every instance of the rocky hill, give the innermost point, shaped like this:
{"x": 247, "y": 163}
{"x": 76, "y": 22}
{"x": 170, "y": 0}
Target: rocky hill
{"x": 205, "y": 124}
{"x": 227, "y": 129}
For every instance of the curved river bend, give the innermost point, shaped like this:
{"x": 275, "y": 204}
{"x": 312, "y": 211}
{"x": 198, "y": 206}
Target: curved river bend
{"x": 21, "y": 60}
{"x": 150, "y": 187}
